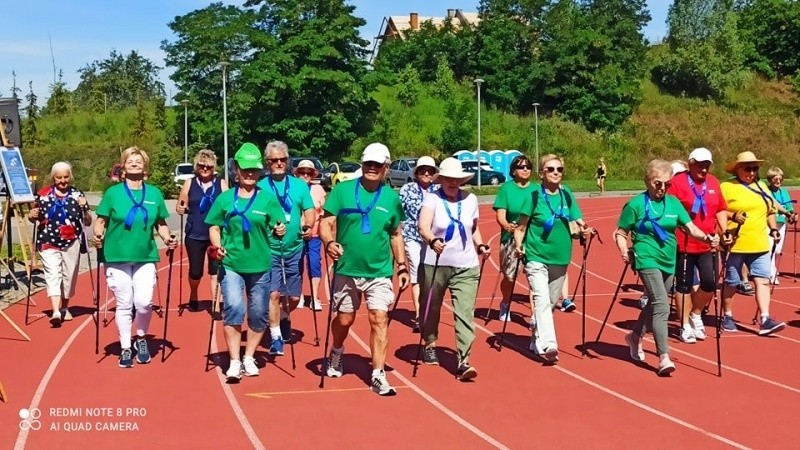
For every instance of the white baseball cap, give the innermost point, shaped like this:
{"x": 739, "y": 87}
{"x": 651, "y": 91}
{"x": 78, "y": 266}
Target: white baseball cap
{"x": 376, "y": 152}
{"x": 700, "y": 154}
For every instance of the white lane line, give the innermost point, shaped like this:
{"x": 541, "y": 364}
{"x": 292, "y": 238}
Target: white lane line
{"x": 436, "y": 404}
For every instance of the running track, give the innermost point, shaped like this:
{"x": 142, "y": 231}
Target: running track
{"x": 599, "y": 401}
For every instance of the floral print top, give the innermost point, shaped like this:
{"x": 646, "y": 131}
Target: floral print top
{"x": 411, "y": 196}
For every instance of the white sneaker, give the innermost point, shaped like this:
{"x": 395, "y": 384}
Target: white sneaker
{"x": 635, "y": 346}
{"x": 666, "y": 366}
{"x": 250, "y": 367}
{"x": 317, "y": 305}
{"x": 687, "y": 334}
{"x": 234, "y": 370}
{"x": 699, "y": 327}
{"x": 381, "y": 386}
{"x": 301, "y": 303}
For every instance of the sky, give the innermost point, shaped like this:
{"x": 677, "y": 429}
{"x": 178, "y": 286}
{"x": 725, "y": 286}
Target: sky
{"x": 83, "y": 31}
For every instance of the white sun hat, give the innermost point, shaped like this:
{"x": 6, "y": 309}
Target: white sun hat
{"x": 451, "y": 168}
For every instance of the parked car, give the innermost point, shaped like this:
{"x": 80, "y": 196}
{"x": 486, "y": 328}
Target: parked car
{"x": 338, "y": 172}
{"x": 489, "y": 176}
{"x": 183, "y": 172}
{"x": 401, "y": 171}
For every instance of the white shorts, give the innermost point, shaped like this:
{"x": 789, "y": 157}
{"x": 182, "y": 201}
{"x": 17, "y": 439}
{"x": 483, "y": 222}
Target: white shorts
{"x": 414, "y": 254}
{"x": 347, "y": 292}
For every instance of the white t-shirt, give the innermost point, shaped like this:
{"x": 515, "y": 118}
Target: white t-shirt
{"x": 455, "y": 253}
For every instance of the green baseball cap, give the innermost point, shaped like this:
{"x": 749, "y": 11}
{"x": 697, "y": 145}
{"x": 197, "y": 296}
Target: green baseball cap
{"x": 249, "y": 157}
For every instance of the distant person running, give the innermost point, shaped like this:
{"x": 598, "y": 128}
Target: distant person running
{"x": 242, "y": 224}
{"x": 61, "y": 212}
{"x": 543, "y": 237}
{"x": 126, "y": 218}
{"x": 361, "y": 232}
{"x": 650, "y": 219}
{"x": 508, "y": 205}
{"x": 775, "y": 179}
{"x": 448, "y": 222}
{"x": 751, "y": 214}
{"x": 195, "y": 200}
{"x": 307, "y": 172}
{"x": 287, "y": 253}
{"x": 600, "y": 175}
{"x": 700, "y": 194}
{"x": 411, "y": 196}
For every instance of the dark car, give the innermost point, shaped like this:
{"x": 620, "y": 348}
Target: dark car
{"x": 488, "y": 175}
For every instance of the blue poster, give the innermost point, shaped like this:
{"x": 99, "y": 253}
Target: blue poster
{"x": 15, "y": 175}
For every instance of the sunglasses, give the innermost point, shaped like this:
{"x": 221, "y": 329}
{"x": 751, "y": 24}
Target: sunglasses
{"x": 426, "y": 171}
{"x": 278, "y": 160}
{"x": 662, "y": 184}
{"x": 204, "y": 167}
{"x": 551, "y": 169}
{"x": 750, "y": 168}
{"x": 524, "y": 167}
{"x": 305, "y": 173}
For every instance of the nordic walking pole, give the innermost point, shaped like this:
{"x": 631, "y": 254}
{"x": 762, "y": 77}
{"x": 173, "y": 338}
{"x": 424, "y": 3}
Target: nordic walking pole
{"x": 717, "y": 309}
{"x": 30, "y": 276}
{"x": 613, "y": 300}
{"x": 794, "y": 257}
{"x": 180, "y": 260}
{"x": 286, "y": 303}
{"x": 95, "y": 294}
{"x": 311, "y": 290}
{"x": 427, "y": 310}
{"x": 171, "y": 255}
{"x": 494, "y": 293}
{"x": 330, "y": 319}
{"x": 582, "y": 280}
{"x": 511, "y": 296}
{"x": 212, "y": 251}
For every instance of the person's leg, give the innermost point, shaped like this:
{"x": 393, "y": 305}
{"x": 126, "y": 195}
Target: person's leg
{"x": 778, "y": 251}
{"x": 119, "y": 280}
{"x": 232, "y": 290}
{"x": 704, "y": 292}
{"x": 257, "y": 289}
{"x": 430, "y": 314}
{"x": 463, "y": 286}
{"x": 144, "y": 281}
{"x": 684, "y": 280}
{"x": 733, "y": 278}
{"x": 556, "y": 276}
{"x": 379, "y": 296}
{"x": 760, "y": 272}
{"x": 538, "y": 278}
{"x": 655, "y": 283}
{"x": 508, "y": 268}
{"x": 292, "y": 291}
{"x": 413, "y": 254}
{"x": 315, "y": 267}
{"x": 70, "y": 257}
{"x": 276, "y": 289}
{"x": 196, "y": 254}
{"x": 51, "y": 260}
{"x": 346, "y": 301}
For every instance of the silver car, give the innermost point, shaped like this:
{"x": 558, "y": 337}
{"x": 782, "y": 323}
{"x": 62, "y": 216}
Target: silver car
{"x": 401, "y": 171}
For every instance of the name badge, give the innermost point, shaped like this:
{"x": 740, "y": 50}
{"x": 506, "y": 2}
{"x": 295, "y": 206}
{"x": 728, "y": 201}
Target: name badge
{"x": 288, "y": 217}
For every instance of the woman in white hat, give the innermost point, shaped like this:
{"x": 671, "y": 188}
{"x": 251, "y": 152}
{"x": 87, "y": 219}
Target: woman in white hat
{"x": 448, "y": 223}
{"x": 306, "y": 171}
{"x": 411, "y": 196}
{"x": 752, "y": 214}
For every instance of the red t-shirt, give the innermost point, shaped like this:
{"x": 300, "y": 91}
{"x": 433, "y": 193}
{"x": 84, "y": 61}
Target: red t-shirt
{"x": 714, "y": 202}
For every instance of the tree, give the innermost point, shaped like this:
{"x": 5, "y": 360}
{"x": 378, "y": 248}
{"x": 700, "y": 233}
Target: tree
{"x": 410, "y": 86}
{"x": 444, "y": 85}
{"x": 60, "y": 101}
{"x": 459, "y": 126}
{"x": 30, "y": 129}
{"x": 769, "y": 30}
{"x": 118, "y": 81}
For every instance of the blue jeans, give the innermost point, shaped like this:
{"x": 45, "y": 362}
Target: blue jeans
{"x": 233, "y": 286}
{"x": 759, "y": 265}
{"x": 289, "y": 266}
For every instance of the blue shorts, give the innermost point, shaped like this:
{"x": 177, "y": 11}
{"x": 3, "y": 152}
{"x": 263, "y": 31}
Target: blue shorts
{"x": 315, "y": 261}
{"x": 290, "y": 266}
{"x": 233, "y": 286}
{"x": 758, "y": 264}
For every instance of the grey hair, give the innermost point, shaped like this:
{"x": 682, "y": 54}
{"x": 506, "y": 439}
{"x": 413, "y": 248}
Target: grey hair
{"x": 659, "y": 166}
{"x": 277, "y": 146}
{"x": 774, "y": 172}
{"x": 60, "y": 167}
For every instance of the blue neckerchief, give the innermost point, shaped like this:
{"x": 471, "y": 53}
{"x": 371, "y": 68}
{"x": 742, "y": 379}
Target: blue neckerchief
{"x": 58, "y": 211}
{"x": 699, "y": 198}
{"x": 454, "y": 221}
{"x": 555, "y": 215}
{"x": 767, "y": 198}
{"x": 286, "y": 201}
{"x": 365, "y": 225}
{"x": 136, "y": 206}
{"x": 661, "y": 234}
{"x": 208, "y": 196}
{"x": 236, "y": 212}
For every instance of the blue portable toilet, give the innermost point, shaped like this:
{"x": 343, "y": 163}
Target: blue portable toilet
{"x": 464, "y": 155}
{"x": 497, "y": 159}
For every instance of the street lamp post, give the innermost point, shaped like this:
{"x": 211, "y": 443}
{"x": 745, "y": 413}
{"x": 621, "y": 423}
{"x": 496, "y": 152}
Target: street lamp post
{"x": 185, "y": 130}
{"x": 536, "y": 130}
{"x": 225, "y": 65}
{"x": 478, "y": 82}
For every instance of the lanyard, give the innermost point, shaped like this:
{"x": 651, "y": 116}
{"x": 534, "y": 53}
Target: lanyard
{"x": 58, "y": 211}
{"x": 236, "y": 212}
{"x": 365, "y": 225}
{"x": 699, "y": 199}
{"x": 661, "y": 234}
{"x": 208, "y": 195}
{"x": 760, "y": 192}
{"x": 779, "y": 197}
{"x": 286, "y": 201}
{"x": 454, "y": 221}
{"x": 551, "y": 221}
{"x": 136, "y": 206}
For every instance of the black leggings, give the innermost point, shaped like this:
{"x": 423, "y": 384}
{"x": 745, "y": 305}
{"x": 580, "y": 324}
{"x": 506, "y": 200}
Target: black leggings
{"x": 685, "y": 272}
{"x": 196, "y": 251}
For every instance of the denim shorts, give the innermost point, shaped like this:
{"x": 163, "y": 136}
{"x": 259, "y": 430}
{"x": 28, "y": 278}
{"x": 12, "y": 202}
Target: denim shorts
{"x": 234, "y": 285}
{"x": 758, "y": 264}
{"x": 290, "y": 266}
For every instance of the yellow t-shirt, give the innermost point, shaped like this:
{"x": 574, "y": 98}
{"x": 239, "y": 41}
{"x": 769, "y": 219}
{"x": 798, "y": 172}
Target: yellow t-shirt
{"x": 753, "y": 235}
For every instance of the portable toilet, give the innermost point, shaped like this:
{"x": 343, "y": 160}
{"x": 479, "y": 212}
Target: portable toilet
{"x": 464, "y": 155}
{"x": 498, "y": 161}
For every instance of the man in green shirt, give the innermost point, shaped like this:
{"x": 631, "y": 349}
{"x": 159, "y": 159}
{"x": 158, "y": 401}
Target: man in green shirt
{"x": 360, "y": 228}
{"x": 295, "y": 199}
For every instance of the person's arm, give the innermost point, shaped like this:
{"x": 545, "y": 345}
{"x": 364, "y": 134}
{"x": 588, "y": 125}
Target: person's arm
{"x": 309, "y": 216}
{"x": 621, "y": 240}
{"x": 183, "y": 197}
{"x": 327, "y": 232}
{"x": 483, "y": 249}
{"x": 425, "y": 225}
{"x": 163, "y": 231}
{"x": 500, "y": 216}
{"x": 399, "y": 254}
{"x": 99, "y": 231}
{"x": 519, "y": 233}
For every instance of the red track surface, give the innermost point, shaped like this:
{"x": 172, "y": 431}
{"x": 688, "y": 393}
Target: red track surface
{"x": 599, "y": 401}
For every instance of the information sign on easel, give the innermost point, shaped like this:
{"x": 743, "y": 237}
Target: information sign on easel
{"x": 17, "y": 183}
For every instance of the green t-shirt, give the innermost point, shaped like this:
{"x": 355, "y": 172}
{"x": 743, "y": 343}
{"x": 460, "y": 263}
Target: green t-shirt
{"x": 511, "y": 198}
{"x": 367, "y": 255}
{"x": 553, "y": 247}
{"x": 299, "y": 195}
{"x": 246, "y": 252}
{"x": 134, "y": 244}
{"x": 650, "y": 252}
